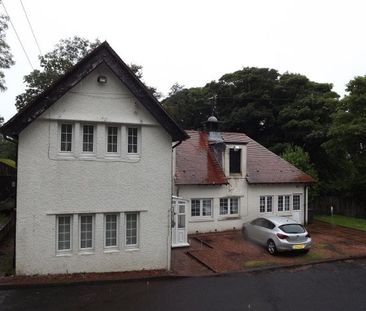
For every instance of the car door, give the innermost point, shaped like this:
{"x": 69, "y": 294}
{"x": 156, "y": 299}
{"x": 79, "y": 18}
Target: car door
{"x": 257, "y": 230}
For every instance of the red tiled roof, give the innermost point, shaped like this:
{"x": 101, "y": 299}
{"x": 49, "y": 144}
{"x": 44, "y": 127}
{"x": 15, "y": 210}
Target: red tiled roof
{"x": 195, "y": 163}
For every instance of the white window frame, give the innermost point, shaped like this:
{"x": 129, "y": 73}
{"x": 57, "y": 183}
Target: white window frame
{"x": 60, "y": 136}
{"x": 266, "y": 200}
{"x": 136, "y": 245}
{"x": 105, "y": 231}
{"x": 299, "y": 195}
{"x": 113, "y": 153}
{"x": 69, "y": 250}
{"x": 82, "y": 139}
{"x": 201, "y": 216}
{"x": 286, "y": 203}
{"x": 138, "y": 137}
{"x": 229, "y": 206}
{"x": 83, "y": 249}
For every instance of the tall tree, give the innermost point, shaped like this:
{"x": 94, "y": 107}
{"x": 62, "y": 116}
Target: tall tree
{"x": 6, "y": 58}
{"x": 54, "y": 64}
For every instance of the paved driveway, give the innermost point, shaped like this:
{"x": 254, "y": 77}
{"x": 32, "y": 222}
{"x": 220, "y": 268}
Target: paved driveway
{"x": 228, "y": 251}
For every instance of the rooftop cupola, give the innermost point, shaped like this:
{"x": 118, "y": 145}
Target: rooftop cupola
{"x": 212, "y": 126}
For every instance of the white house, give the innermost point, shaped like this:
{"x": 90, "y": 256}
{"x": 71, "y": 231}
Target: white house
{"x": 94, "y": 173}
{"x": 228, "y": 179}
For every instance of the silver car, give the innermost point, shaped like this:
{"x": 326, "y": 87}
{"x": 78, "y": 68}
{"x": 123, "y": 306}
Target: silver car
{"x": 278, "y": 234}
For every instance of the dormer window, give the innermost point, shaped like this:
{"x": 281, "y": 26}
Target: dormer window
{"x": 66, "y": 137}
{"x": 235, "y": 160}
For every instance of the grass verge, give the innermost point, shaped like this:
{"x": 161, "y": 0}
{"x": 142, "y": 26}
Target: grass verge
{"x": 349, "y": 222}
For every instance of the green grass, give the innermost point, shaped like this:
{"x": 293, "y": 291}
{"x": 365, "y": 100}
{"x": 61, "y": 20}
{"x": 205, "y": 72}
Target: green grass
{"x": 258, "y": 263}
{"x": 349, "y": 222}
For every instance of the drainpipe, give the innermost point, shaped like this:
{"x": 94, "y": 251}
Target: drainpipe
{"x": 305, "y": 206}
{"x": 14, "y": 141}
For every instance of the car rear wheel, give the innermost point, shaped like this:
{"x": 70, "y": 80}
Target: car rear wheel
{"x": 271, "y": 247}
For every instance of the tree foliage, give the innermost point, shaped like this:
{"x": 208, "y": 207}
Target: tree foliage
{"x": 54, "y": 64}
{"x": 6, "y": 58}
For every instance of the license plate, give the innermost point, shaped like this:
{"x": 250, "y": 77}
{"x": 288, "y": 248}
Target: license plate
{"x": 298, "y": 246}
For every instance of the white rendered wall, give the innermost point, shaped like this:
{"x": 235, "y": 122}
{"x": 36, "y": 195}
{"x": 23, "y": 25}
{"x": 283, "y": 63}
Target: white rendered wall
{"x": 49, "y": 185}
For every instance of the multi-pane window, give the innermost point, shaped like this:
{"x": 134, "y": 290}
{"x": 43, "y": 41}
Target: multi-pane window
{"x": 112, "y": 139}
{"x": 131, "y": 229}
{"x": 132, "y": 140}
{"x": 296, "y": 202}
{"x": 111, "y": 230}
{"x": 64, "y": 233}
{"x": 265, "y": 204}
{"x": 88, "y": 138}
{"x": 229, "y": 206}
{"x": 234, "y": 161}
{"x": 283, "y": 203}
{"x": 86, "y": 231}
{"x": 66, "y": 137}
{"x": 201, "y": 207}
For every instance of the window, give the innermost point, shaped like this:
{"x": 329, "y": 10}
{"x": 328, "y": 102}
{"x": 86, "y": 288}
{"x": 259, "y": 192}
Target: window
{"x": 234, "y": 161}
{"x": 110, "y": 224}
{"x": 229, "y": 206}
{"x": 296, "y": 202}
{"x": 132, "y": 140}
{"x": 280, "y": 203}
{"x": 201, "y": 207}
{"x": 88, "y": 138}
{"x": 66, "y": 137}
{"x": 265, "y": 204}
{"x": 86, "y": 231}
{"x": 112, "y": 139}
{"x": 131, "y": 229}
{"x": 64, "y": 225}
{"x": 283, "y": 203}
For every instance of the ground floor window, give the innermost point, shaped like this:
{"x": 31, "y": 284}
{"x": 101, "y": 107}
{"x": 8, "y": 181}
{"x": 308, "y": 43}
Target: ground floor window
{"x": 64, "y": 228}
{"x": 265, "y": 204}
{"x": 283, "y": 203}
{"x": 229, "y": 206}
{"x": 86, "y": 231}
{"x": 296, "y": 202}
{"x": 201, "y": 207}
{"x": 131, "y": 229}
{"x": 111, "y": 230}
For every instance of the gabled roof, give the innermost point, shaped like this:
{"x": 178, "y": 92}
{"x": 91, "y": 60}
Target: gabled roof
{"x": 102, "y": 54}
{"x": 195, "y": 163}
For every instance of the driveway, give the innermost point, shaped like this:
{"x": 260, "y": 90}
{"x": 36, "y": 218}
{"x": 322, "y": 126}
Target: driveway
{"x": 228, "y": 251}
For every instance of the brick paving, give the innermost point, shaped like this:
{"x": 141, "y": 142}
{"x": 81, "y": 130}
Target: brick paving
{"x": 229, "y": 251}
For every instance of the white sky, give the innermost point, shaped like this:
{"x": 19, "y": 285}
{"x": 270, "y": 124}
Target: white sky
{"x": 195, "y": 41}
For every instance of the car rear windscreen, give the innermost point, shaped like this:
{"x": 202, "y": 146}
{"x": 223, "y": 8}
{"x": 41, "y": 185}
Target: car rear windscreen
{"x": 292, "y": 228}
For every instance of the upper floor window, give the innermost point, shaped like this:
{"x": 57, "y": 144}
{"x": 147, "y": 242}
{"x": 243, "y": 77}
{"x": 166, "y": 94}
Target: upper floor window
{"x": 66, "y": 137}
{"x": 112, "y": 139}
{"x": 201, "y": 207}
{"x": 234, "y": 160}
{"x": 265, "y": 204}
{"x": 88, "y": 138}
{"x": 229, "y": 206}
{"x": 132, "y": 139}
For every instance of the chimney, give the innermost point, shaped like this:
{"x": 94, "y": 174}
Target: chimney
{"x": 215, "y": 140}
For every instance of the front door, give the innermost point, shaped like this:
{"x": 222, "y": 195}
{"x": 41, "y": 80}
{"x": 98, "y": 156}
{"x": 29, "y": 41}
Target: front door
{"x": 179, "y": 223}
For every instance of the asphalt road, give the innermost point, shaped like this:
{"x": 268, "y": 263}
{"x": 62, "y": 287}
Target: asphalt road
{"x": 331, "y": 286}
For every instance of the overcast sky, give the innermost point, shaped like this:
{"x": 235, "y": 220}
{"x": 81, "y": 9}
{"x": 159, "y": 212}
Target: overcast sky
{"x": 194, "y": 42}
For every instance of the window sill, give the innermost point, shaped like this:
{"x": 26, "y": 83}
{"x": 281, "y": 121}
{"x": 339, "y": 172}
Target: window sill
{"x": 63, "y": 254}
{"x": 111, "y": 251}
{"x": 82, "y": 253}
{"x": 135, "y": 249}
{"x": 201, "y": 220}
{"x": 233, "y": 217}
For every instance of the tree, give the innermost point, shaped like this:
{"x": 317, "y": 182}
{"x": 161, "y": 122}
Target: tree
{"x": 7, "y": 149}
{"x": 6, "y": 58}
{"x": 53, "y": 65}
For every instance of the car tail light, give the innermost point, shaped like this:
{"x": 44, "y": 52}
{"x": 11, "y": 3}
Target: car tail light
{"x": 282, "y": 236}
{"x": 308, "y": 235}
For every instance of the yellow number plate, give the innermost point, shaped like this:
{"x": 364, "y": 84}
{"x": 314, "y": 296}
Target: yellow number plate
{"x": 298, "y": 246}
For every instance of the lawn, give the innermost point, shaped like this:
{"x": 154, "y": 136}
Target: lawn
{"x": 349, "y": 222}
